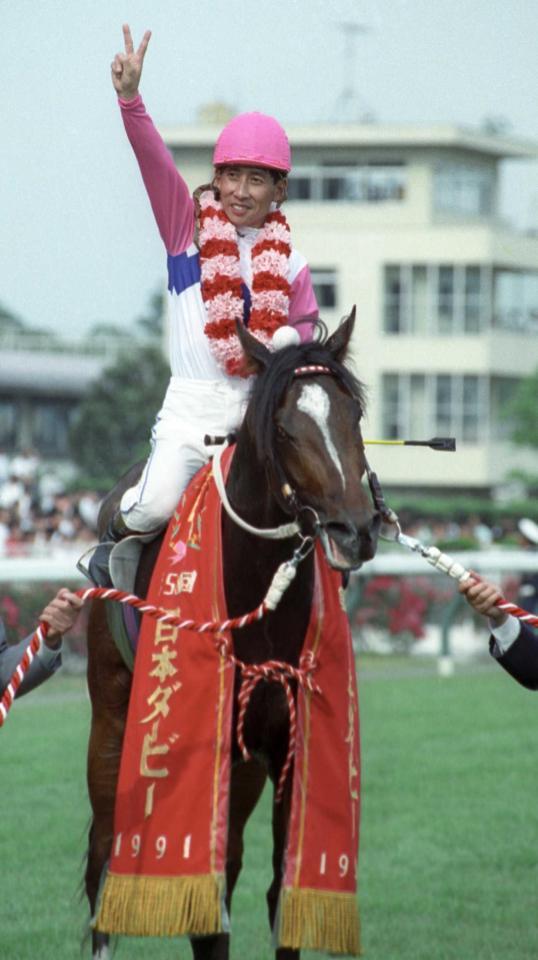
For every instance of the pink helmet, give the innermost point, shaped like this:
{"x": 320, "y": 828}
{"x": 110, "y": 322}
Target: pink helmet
{"x": 253, "y": 139}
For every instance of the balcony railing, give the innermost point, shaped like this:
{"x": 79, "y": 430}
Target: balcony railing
{"x": 46, "y": 342}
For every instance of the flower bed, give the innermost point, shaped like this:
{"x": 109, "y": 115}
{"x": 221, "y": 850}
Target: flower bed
{"x": 401, "y": 607}
{"x": 21, "y": 606}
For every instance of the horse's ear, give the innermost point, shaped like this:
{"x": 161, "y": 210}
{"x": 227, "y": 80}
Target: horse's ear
{"x": 338, "y": 343}
{"x": 256, "y": 353}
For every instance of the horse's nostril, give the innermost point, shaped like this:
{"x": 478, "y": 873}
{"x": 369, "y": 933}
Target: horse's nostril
{"x": 343, "y": 531}
{"x": 340, "y": 529}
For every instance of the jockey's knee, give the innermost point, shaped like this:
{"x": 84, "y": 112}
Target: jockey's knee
{"x": 151, "y": 514}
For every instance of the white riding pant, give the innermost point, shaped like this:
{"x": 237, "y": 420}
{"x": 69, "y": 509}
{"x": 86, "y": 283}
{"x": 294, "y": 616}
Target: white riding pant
{"x": 191, "y": 408}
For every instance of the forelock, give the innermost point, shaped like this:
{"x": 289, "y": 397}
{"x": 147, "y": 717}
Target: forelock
{"x": 271, "y": 385}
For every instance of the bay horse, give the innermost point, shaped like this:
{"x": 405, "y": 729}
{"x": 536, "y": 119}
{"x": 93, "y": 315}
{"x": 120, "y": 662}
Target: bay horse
{"x": 301, "y": 434}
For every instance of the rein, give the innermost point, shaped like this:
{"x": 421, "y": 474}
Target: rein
{"x": 282, "y": 532}
{"x": 287, "y": 493}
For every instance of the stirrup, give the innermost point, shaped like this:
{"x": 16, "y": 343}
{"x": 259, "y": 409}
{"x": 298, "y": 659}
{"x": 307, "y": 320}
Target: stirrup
{"x": 85, "y": 570}
{"x": 80, "y": 565}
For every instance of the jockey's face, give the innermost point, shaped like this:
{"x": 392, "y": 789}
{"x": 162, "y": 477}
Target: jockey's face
{"x": 246, "y": 194}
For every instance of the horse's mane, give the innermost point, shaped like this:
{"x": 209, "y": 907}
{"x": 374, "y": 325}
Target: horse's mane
{"x": 272, "y": 383}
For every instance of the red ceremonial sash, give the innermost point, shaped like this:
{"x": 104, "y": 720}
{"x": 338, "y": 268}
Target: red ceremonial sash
{"x": 318, "y": 905}
{"x": 166, "y": 875}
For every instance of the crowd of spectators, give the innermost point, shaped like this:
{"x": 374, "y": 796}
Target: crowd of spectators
{"x": 471, "y": 533}
{"x": 38, "y": 515}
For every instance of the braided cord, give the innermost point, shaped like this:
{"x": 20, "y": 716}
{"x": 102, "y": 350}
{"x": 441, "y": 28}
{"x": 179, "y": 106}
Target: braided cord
{"x": 271, "y": 670}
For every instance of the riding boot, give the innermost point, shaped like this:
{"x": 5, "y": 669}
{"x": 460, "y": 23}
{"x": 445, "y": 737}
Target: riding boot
{"x": 99, "y": 565}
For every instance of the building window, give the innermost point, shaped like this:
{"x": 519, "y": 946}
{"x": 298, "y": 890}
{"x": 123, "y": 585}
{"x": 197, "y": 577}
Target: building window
{"x": 404, "y": 405}
{"x": 464, "y": 190}
{"x": 393, "y": 407}
{"x": 420, "y": 299}
{"x": 394, "y": 301}
{"x": 443, "y": 403}
{"x": 348, "y": 183}
{"x": 325, "y": 287}
{"x": 469, "y": 388}
{"x": 445, "y": 300}
{"x": 430, "y": 299}
{"x": 474, "y": 287}
{"x": 299, "y": 187}
{"x": 415, "y": 406}
{"x": 515, "y": 300}
{"x": 502, "y": 390}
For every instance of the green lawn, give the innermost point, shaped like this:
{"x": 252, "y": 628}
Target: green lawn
{"x": 448, "y": 865}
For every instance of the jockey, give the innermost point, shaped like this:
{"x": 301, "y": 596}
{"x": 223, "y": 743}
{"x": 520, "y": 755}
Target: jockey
{"x": 229, "y": 258}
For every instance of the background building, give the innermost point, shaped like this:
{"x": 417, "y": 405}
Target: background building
{"x": 42, "y": 380}
{"x": 403, "y": 221}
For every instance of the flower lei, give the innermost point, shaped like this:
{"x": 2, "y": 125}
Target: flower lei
{"x": 221, "y": 281}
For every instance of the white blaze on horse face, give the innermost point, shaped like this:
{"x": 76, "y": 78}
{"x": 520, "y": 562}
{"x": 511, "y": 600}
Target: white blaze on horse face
{"x": 314, "y": 401}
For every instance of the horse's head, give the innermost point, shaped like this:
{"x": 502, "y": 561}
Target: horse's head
{"x": 304, "y": 422}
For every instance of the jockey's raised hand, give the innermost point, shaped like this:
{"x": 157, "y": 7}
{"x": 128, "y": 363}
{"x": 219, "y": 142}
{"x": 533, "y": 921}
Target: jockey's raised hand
{"x": 126, "y": 67}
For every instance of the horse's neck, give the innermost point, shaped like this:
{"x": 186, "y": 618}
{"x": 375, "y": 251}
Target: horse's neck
{"x": 248, "y": 491}
{"x": 250, "y": 563}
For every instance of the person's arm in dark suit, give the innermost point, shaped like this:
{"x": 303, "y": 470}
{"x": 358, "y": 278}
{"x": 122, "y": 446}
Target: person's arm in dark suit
{"x": 519, "y": 657}
{"x": 42, "y": 666}
{"x": 512, "y": 643}
{"x": 60, "y": 614}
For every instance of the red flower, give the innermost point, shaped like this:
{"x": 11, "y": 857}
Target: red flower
{"x": 215, "y": 247}
{"x": 219, "y": 285}
{"x": 220, "y": 329}
{"x": 278, "y": 245}
{"x": 267, "y": 320}
{"x": 268, "y": 281}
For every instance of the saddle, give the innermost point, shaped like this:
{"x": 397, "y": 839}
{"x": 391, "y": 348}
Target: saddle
{"x": 125, "y": 559}
{"x": 123, "y": 620}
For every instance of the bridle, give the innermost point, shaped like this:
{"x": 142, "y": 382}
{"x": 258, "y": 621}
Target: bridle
{"x": 285, "y": 493}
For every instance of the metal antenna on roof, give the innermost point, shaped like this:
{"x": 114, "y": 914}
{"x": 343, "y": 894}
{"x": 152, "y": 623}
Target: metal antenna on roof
{"x": 350, "y": 107}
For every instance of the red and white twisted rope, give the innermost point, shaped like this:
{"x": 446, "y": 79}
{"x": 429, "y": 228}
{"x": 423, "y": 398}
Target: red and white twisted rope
{"x": 453, "y": 568}
{"x": 18, "y": 674}
{"x": 276, "y": 671}
{"x": 516, "y": 611}
{"x": 158, "y": 613}
{"x": 272, "y": 670}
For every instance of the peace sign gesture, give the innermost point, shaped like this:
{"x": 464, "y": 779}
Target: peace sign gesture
{"x": 127, "y": 67}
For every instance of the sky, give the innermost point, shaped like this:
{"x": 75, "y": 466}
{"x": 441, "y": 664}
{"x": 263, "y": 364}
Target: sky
{"x": 78, "y": 245}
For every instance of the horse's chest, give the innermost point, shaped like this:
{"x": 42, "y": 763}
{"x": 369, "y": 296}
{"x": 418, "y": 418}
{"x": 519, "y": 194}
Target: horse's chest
{"x": 266, "y": 721}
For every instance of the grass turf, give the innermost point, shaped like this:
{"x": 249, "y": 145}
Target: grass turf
{"x": 448, "y": 864}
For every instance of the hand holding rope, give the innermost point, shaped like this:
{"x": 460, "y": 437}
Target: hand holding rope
{"x": 443, "y": 562}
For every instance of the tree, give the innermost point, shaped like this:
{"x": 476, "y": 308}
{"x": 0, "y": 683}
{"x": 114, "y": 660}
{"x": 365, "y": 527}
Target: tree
{"x": 104, "y": 331}
{"x": 112, "y": 426}
{"x": 523, "y": 410}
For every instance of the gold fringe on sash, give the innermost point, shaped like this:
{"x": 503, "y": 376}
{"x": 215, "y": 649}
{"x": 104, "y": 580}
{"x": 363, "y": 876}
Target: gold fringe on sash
{"x": 142, "y": 906}
{"x": 319, "y": 920}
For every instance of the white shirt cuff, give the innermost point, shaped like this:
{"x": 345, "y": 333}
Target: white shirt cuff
{"x": 506, "y": 633}
{"x": 48, "y": 656}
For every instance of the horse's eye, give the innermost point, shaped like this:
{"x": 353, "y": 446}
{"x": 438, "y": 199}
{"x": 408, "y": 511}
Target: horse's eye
{"x": 281, "y": 433}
